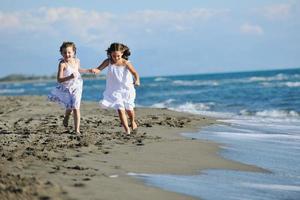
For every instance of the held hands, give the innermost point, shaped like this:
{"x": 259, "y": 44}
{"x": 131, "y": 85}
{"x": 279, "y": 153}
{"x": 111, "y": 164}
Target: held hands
{"x": 95, "y": 71}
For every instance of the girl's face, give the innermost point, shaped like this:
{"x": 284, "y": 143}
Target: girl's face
{"x": 116, "y": 55}
{"x": 68, "y": 53}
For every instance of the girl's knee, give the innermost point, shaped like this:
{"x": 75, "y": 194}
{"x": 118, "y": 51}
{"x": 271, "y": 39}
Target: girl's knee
{"x": 76, "y": 110}
{"x": 130, "y": 112}
{"x": 121, "y": 111}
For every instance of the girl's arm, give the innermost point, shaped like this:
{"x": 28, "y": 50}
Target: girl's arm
{"x": 134, "y": 73}
{"x": 60, "y": 74}
{"x": 101, "y": 67}
{"x": 82, "y": 70}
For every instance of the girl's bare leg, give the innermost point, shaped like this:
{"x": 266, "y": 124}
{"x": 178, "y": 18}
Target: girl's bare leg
{"x": 123, "y": 118}
{"x": 66, "y": 118}
{"x": 131, "y": 115}
{"x": 77, "y": 120}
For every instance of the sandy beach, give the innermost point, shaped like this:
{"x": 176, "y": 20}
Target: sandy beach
{"x": 41, "y": 159}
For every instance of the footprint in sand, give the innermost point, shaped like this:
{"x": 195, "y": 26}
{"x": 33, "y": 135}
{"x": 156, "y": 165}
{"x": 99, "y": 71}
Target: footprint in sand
{"x": 79, "y": 185}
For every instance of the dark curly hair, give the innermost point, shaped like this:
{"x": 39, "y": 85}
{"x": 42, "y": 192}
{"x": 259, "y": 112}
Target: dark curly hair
{"x": 119, "y": 47}
{"x": 67, "y": 44}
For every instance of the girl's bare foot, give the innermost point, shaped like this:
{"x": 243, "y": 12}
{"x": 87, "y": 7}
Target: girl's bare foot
{"x": 78, "y": 133}
{"x": 66, "y": 121}
{"x": 134, "y": 126}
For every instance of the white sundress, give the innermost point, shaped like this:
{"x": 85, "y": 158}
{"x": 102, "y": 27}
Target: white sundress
{"x": 119, "y": 92}
{"x": 68, "y": 93}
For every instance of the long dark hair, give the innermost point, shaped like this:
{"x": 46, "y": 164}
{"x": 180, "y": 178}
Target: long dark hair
{"x": 119, "y": 47}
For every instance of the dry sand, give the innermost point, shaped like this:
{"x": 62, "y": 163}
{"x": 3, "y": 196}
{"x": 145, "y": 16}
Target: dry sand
{"x": 40, "y": 159}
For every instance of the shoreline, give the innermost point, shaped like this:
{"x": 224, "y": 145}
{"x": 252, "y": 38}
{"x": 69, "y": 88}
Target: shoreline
{"x": 42, "y": 159}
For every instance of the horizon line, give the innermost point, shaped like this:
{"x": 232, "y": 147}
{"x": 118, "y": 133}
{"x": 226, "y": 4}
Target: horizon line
{"x": 150, "y": 76}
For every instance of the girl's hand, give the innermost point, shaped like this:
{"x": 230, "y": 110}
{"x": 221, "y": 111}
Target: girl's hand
{"x": 95, "y": 71}
{"x": 137, "y": 83}
{"x": 74, "y": 75}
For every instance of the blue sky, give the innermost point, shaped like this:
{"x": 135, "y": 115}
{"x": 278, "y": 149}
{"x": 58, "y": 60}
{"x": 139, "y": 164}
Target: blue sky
{"x": 166, "y": 37}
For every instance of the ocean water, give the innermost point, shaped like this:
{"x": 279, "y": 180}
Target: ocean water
{"x": 262, "y": 114}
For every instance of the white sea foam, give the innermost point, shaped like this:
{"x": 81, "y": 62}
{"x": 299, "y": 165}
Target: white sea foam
{"x": 265, "y": 80}
{"x": 158, "y": 79}
{"x": 175, "y": 93}
{"x": 200, "y": 109}
{"x": 39, "y": 84}
{"x": 292, "y": 84}
{"x": 136, "y": 174}
{"x": 281, "y": 84}
{"x": 266, "y": 126}
{"x": 193, "y": 107}
{"x": 272, "y": 113}
{"x": 265, "y": 116}
{"x": 164, "y": 104}
{"x": 186, "y": 107}
{"x": 153, "y": 84}
{"x": 196, "y": 83}
{"x": 277, "y": 113}
{"x": 114, "y": 176}
{"x": 268, "y": 84}
{"x": 278, "y": 77}
{"x": 255, "y": 135}
{"x": 11, "y": 91}
{"x": 295, "y": 188}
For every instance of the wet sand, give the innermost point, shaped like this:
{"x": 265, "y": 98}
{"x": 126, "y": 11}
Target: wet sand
{"x": 41, "y": 159}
